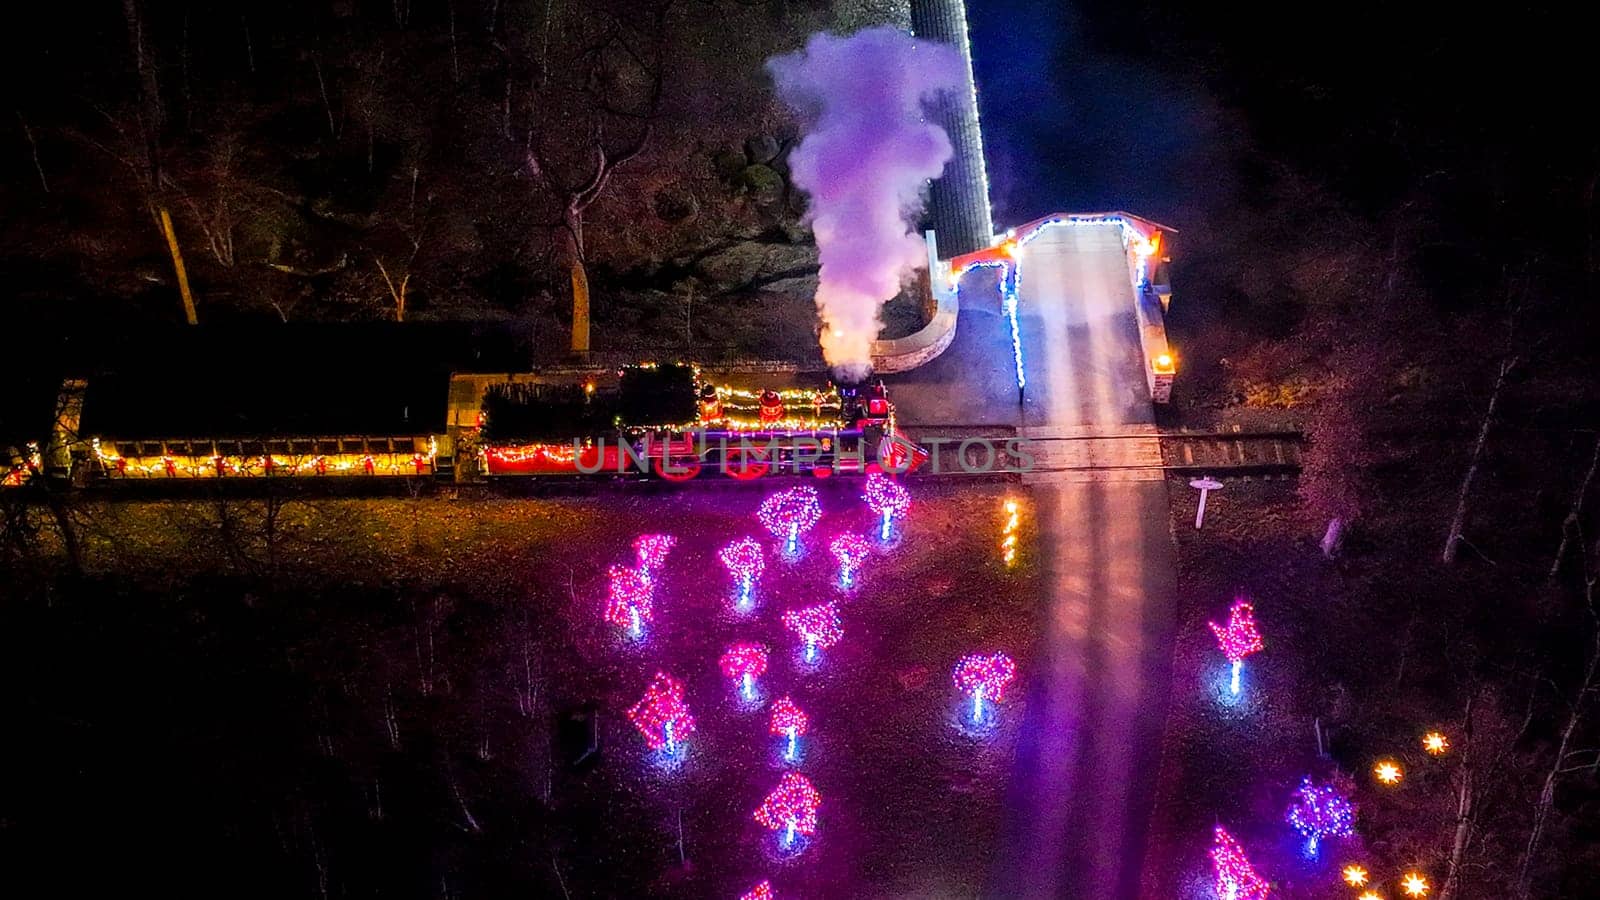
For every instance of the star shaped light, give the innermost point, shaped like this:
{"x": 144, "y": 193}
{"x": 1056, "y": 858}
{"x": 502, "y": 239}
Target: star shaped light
{"x": 1414, "y": 885}
{"x": 1435, "y": 743}
{"x": 1388, "y": 772}
{"x": 1355, "y": 876}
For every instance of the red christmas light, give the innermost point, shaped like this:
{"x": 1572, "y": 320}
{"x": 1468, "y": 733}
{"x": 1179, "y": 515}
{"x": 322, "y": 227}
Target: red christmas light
{"x": 791, "y": 808}
{"x": 787, "y": 718}
{"x": 661, "y": 715}
{"x": 628, "y": 603}
{"x": 888, "y": 498}
{"x": 652, "y": 550}
{"x": 850, "y": 549}
{"x": 762, "y": 891}
{"x": 744, "y": 662}
{"x": 1239, "y": 638}
{"x": 745, "y": 562}
{"x": 1235, "y": 878}
{"x": 818, "y": 626}
{"x": 791, "y": 513}
{"x": 984, "y": 677}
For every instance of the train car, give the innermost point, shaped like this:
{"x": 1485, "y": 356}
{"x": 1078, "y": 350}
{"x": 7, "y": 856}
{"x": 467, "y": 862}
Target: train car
{"x": 672, "y": 423}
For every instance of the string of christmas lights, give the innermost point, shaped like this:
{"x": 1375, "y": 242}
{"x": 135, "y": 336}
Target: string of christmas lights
{"x": 818, "y": 627}
{"x": 745, "y": 561}
{"x": 789, "y": 514}
{"x": 762, "y": 891}
{"x": 629, "y": 602}
{"x": 661, "y": 715}
{"x": 984, "y": 676}
{"x": 850, "y": 549}
{"x": 791, "y": 808}
{"x": 744, "y": 662}
{"x": 652, "y": 550}
{"x": 1239, "y": 638}
{"x": 1321, "y": 811}
{"x": 791, "y": 722}
{"x": 1008, "y": 533}
{"x": 1236, "y": 879}
{"x": 886, "y": 497}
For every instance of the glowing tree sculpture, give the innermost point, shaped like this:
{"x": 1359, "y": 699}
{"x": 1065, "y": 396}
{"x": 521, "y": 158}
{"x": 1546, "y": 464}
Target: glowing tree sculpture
{"x": 762, "y": 891}
{"x": 850, "y": 549}
{"x": 1236, "y": 880}
{"x": 628, "y": 603}
{"x": 817, "y": 626}
{"x": 1321, "y": 811}
{"x": 888, "y": 498}
{"x": 652, "y": 550}
{"x": 791, "y": 722}
{"x": 661, "y": 715}
{"x": 984, "y": 676}
{"x": 789, "y": 514}
{"x": 791, "y": 808}
{"x": 744, "y": 662}
{"x": 1239, "y": 638}
{"x": 745, "y": 562}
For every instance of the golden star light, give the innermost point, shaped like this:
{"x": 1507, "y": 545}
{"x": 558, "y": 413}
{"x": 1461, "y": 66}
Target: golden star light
{"x": 1414, "y": 885}
{"x": 1388, "y": 772}
{"x": 1355, "y": 876}
{"x": 1435, "y": 743}
{"x": 1370, "y": 895}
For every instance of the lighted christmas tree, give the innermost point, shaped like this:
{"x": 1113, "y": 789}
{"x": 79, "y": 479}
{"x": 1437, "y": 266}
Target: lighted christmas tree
{"x": 984, "y": 677}
{"x": 628, "y": 599}
{"x": 789, "y": 514}
{"x": 850, "y": 549}
{"x": 817, "y": 627}
{"x": 744, "y": 662}
{"x": 745, "y": 562}
{"x": 661, "y": 715}
{"x": 652, "y": 550}
{"x": 888, "y": 498}
{"x": 791, "y": 808}
{"x": 1236, "y": 880}
{"x": 791, "y": 722}
{"x": 762, "y": 891}
{"x": 1239, "y": 638}
{"x": 1321, "y": 811}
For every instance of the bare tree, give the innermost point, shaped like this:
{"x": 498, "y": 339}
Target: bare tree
{"x": 1570, "y": 525}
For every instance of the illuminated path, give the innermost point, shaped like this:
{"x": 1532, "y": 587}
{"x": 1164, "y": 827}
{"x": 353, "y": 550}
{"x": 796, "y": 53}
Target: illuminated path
{"x": 1083, "y": 776}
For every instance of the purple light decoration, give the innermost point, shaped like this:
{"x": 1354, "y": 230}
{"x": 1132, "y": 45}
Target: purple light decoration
{"x": 628, "y": 603}
{"x": 850, "y": 549}
{"x": 818, "y": 626}
{"x": 791, "y": 722}
{"x": 661, "y": 715}
{"x": 762, "y": 891}
{"x": 652, "y": 550}
{"x": 791, "y": 808}
{"x": 744, "y": 662}
{"x": 984, "y": 676}
{"x": 1321, "y": 811}
{"x": 888, "y": 498}
{"x": 1236, "y": 879}
{"x": 789, "y": 514}
{"x": 745, "y": 562}
{"x": 1239, "y": 638}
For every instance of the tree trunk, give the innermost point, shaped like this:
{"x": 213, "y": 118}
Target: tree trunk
{"x": 1459, "y": 520}
{"x": 1547, "y": 793}
{"x": 150, "y": 116}
{"x": 1465, "y": 814}
{"x": 68, "y": 530}
{"x": 573, "y": 227}
{"x": 177, "y": 266}
{"x": 1570, "y": 523}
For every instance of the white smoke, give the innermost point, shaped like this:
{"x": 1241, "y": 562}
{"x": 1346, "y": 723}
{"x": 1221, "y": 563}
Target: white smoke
{"x": 866, "y": 156}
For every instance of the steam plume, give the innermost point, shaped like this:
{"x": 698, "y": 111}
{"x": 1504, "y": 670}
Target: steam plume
{"x": 866, "y": 156}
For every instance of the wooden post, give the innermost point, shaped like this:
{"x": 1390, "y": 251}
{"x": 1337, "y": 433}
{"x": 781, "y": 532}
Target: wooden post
{"x": 177, "y": 265}
{"x": 580, "y": 308}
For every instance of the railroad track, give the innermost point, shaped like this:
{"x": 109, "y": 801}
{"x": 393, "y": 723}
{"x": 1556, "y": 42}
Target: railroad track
{"x": 1133, "y": 453}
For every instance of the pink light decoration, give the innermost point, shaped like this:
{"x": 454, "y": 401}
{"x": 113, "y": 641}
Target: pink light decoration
{"x": 744, "y": 662}
{"x": 791, "y": 808}
{"x": 745, "y": 562}
{"x": 888, "y": 498}
{"x": 762, "y": 891}
{"x": 789, "y": 514}
{"x": 850, "y": 549}
{"x": 984, "y": 676}
{"x": 818, "y": 626}
{"x": 1239, "y": 638}
{"x": 652, "y": 550}
{"x": 628, "y": 602}
{"x": 1236, "y": 879}
{"x": 791, "y": 722}
{"x": 661, "y": 715}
